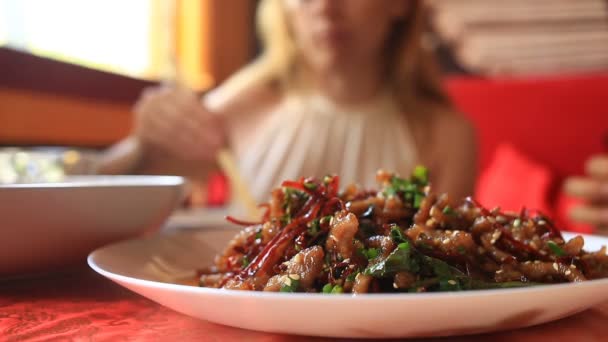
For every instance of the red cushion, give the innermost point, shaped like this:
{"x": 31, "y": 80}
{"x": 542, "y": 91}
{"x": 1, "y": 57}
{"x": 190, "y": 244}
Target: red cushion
{"x": 513, "y": 181}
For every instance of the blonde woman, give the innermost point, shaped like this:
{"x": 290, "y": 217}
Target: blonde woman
{"x": 342, "y": 87}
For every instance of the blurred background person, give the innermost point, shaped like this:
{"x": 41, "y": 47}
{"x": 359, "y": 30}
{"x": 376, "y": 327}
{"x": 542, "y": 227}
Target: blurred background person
{"x": 342, "y": 87}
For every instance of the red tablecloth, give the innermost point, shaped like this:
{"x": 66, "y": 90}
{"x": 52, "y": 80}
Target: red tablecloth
{"x": 83, "y": 306}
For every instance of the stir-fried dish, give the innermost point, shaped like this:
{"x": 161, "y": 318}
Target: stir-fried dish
{"x": 401, "y": 238}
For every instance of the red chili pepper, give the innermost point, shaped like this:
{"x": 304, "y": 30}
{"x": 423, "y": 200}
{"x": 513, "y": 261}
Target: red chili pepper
{"x": 293, "y": 229}
{"x": 333, "y": 187}
{"x": 519, "y": 245}
{"x": 241, "y": 222}
{"x": 266, "y": 215}
{"x": 484, "y": 211}
{"x": 330, "y": 207}
{"x": 296, "y": 185}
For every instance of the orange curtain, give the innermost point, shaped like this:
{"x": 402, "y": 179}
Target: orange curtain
{"x": 213, "y": 38}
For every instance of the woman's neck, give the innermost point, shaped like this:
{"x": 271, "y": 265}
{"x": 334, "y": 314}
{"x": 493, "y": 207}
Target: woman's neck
{"x": 347, "y": 85}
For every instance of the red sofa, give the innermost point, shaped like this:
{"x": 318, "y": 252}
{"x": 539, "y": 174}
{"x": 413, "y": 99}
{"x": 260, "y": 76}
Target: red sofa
{"x": 532, "y": 134}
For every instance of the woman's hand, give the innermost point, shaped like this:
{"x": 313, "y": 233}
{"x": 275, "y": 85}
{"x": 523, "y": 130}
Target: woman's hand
{"x": 594, "y": 189}
{"x": 174, "y": 120}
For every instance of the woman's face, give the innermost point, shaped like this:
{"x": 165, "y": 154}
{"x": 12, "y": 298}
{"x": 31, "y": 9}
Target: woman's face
{"x": 331, "y": 34}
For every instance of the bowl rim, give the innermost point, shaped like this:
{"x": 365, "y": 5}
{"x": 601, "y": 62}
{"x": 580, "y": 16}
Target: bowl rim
{"x": 102, "y": 181}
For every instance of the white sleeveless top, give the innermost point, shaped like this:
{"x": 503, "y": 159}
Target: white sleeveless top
{"x": 308, "y": 135}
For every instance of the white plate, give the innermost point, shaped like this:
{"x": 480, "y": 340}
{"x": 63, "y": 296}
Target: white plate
{"x": 199, "y": 218}
{"x": 50, "y": 225}
{"x": 153, "y": 266}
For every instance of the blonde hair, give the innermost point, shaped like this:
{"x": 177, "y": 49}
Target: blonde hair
{"x": 411, "y": 71}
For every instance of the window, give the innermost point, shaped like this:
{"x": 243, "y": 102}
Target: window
{"x": 119, "y": 36}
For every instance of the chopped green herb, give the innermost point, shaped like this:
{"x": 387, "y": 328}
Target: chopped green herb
{"x": 325, "y": 219}
{"x": 461, "y": 250}
{"x": 399, "y": 260}
{"x": 424, "y": 245}
{"x": 352, "y": 277}
{"x": 557, "y": 250}
{"x": 290, "y": 285}
{"x": 337, "y": 289}
{"x": 447, "y": 210}
{"x": 372, "y": 253}
{"x": 245, "y": 261}
{"x": 440, "y": 268}
{"x": 285, "y": 219}
{"x": 369, "y": 253}
{"x": 313, "y": 227}
{"x": 397, "y": 234}
{"x": 421, "y": 174}
{"x": 258, "y": 234}
{"x": 418, "y": 200}
{"x": 310, "y": 185}
{"x": 449, "y": 285}
{"x": 327, "y": 288}
{"x": 404, "y": 245}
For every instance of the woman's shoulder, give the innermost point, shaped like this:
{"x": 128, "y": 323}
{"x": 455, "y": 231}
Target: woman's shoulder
{"x": 228, "y": 99}
{"x": 448, "y": 134}
{"x": 448, "y": 122}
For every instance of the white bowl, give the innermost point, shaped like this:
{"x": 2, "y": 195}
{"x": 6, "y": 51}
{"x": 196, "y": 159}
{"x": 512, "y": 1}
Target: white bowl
{"x": 49, "y": 225}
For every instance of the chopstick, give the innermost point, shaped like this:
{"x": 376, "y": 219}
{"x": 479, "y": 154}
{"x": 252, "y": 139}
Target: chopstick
{"x": 238, "y": 187}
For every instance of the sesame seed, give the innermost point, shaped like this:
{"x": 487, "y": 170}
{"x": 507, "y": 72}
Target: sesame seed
{"x": 568, "y": 272}
{"x": 555, "y": 267}
{"x": 527, "y": 262}
{"x": 446, "y": 241}
{"x": 501, "y": 219}
{"x": 351, "y": 266}
{"x": 430, "y": 222}
{"x": 533, "y": 244}
{"x": 542, "y": 222}
{"x": 294, "y": 276}
{"x": 287, "y": 281}
{"x": 452, "y": 282}
{"x": 395, "y": 286}
{"x": 499, "y": 271}
{"x": 536, "y": 262}
{"x": 432, "y": 211}
{"x": 516, "y": 223}
{"x": 347, "y": 260}
{"x": 573, "y": 266}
